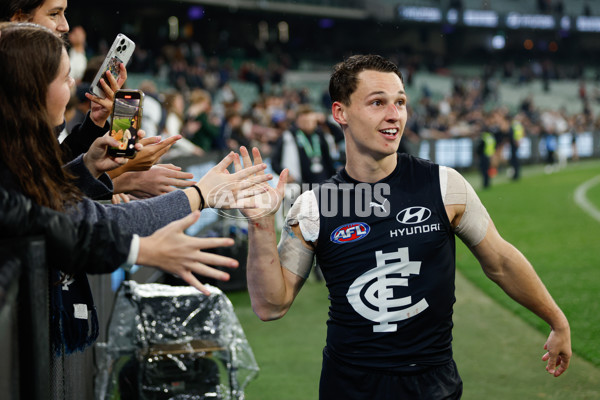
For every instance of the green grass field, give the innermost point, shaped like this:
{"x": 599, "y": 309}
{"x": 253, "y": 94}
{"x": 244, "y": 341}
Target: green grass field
{"x": 540, "y": 217}
{"x": 498, "y": 344}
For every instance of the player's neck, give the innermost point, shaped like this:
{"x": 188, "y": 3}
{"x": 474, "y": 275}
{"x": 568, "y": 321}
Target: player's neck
{"x": 370, "y": 170}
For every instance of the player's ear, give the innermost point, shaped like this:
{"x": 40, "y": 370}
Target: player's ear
{"x": 338, "y": 112}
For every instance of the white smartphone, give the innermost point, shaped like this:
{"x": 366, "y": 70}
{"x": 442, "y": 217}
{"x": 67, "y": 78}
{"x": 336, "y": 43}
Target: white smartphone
{"x": 120, "y": 51}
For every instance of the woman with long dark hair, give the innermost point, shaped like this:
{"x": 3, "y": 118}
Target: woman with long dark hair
{"x": 34, "y": 91}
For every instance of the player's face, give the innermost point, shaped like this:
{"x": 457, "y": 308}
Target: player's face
{"x": 376, "y": 116}
{"x": 59, "y": 91}
{"x": 51, "y": 14}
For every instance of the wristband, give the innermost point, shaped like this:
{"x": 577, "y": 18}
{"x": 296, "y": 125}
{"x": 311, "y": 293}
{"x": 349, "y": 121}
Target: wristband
{"x": 201, "y": 197}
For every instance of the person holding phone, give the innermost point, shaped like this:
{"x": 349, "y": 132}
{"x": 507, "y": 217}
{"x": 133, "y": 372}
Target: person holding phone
{"x": 51, "y": 14}
{"x": 32, "y": 156}
{"x": 31, "y": 161}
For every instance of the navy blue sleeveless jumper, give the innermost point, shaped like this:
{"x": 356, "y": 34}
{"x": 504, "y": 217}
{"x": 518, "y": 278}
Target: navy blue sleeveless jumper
{"x": 387, "y": 253}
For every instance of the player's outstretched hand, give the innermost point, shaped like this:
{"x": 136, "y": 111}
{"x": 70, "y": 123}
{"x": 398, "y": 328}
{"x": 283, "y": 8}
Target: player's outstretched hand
{"x": 268, "y": 199}
{"x": 242, "y": 189}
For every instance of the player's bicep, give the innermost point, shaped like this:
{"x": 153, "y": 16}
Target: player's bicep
{"x": 495, "y": 255}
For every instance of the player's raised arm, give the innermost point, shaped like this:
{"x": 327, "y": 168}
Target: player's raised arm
{"x": 272, "y": 288}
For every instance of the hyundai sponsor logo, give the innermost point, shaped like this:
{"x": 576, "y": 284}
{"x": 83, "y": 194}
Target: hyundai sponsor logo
{"x": 350, "y": 232}
{"x": 413, "y": 215}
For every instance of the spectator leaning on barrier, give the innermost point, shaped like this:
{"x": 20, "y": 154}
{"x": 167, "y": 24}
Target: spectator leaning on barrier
{"x": 80, "y": 136}
{"x": 51, "y": 14}
{"x": 79, "y": 248}
{"x": 31, "y": 161}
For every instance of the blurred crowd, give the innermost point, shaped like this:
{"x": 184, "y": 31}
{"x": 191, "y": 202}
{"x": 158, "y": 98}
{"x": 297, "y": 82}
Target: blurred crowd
{"x": 202, "y": 105}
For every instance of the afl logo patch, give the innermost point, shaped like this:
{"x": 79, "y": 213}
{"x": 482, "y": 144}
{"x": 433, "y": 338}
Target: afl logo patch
{"x": 350, "y": 232}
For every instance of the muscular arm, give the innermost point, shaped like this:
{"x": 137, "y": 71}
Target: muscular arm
{"x": 272, "y": 288}
{"x": 508, "y": 268}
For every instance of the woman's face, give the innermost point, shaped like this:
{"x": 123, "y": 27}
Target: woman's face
{"x": 51, "y": 14}
{"x": 59, "y": 91}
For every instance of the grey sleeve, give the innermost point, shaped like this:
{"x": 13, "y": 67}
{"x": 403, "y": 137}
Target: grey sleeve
{"x": 142, "y": 217}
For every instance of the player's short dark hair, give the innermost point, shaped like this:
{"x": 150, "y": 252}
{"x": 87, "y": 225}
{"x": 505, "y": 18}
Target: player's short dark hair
{"x": 344, "y": 80}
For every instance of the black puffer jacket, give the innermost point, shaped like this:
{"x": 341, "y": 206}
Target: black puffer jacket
{"x": 71, "y": 247}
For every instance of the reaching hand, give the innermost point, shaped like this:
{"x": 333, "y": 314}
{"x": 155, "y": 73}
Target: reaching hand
{"x": 171, "y": 250}
{"x": 101, "y": 108}
{"x": 153, "y": 149}
{"x": 241, "y": 189}
{"x": 269, "y": 199}
{"x": 160, "y": 179}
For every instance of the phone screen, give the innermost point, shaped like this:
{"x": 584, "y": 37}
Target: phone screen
{"x": 125, "y": 123}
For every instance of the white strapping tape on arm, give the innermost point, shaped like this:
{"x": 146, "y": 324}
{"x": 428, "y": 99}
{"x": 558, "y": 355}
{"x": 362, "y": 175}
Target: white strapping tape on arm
{"x": 293, "y": 254}
{"x": 475, "y": 220}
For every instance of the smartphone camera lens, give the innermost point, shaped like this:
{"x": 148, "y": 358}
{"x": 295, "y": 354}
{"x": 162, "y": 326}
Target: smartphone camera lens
{"x": 122, "y": 41}
{"x": 123, "y": 48}
{"x": 119, "y": 49}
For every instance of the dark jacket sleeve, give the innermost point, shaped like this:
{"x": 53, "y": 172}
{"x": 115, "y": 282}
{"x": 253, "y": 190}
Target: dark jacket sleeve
{"x": 71, "y": 246}
{"x": 96, "y": 189}
{"x": 81, "y": 138}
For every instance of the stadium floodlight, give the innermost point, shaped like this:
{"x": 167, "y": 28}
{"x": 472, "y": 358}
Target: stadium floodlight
{"x": 420, "y": 14}
{"x": 452, "y": 16}
{"x": 587, "y": 24}
{"x": 565, "y": 23}
{"x": 532, "y": 21}
{"x": 481, "y": 18}
{"x": 498, "y": 42}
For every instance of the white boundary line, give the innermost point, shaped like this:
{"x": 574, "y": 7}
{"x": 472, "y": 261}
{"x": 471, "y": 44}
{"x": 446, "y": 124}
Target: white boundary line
{"x": 582, "y": 201}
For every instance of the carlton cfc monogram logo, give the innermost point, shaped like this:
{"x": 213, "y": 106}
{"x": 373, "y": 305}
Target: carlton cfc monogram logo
{"x": 372, "y": 294}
